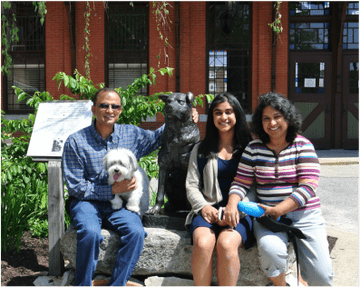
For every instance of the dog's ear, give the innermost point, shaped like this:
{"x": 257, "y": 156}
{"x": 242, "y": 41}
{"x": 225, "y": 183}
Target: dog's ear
{"x": 163, "y": 97}
{"x": 190, "y": 97}
{"x": 133, "y": 162}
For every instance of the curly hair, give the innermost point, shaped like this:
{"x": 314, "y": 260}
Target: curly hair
{"x": 242, "y": 135}
{"x": 282, "y": 104}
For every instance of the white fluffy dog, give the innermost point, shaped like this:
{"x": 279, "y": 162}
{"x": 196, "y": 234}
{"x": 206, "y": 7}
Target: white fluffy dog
{"x": 121, "y": 164}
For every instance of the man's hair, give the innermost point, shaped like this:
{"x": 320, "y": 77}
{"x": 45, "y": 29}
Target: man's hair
{"x": 242, "y": 136}
{"x": 104, "y": 90}
{"x": 282, "y": 104}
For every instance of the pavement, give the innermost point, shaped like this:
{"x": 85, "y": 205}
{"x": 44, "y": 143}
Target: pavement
{"x": 338, "y": 192}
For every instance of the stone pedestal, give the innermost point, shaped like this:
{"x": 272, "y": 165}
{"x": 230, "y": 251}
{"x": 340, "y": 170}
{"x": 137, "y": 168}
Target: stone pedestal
{"x": 167, "y": 252}
{"x": 173, "y": 221}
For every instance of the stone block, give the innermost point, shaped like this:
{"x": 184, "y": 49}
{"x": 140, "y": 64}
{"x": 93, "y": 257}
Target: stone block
{"x": 167, "y": 252}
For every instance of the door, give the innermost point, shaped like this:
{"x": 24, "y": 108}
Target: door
{"x": 310, "y": 91}
{"x": 350, "y": 106}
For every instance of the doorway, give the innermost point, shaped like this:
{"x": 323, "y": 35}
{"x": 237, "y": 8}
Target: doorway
{"x": 350, "y": 103}
{"x": 310, "y": 91}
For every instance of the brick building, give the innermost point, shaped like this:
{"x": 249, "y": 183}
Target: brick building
{"x": 215, "y": 47}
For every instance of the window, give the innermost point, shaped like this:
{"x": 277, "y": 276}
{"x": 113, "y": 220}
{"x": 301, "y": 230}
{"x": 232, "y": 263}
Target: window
{"x": 228, "y": 42}
{"x": 309, "y": 8}
{"x": 309, "y": 26}
{"x": 309, "y": 36}
{"x": 351, "y": 27}
{"x": 28, "y": 58}
{"x": 127, "y": 43}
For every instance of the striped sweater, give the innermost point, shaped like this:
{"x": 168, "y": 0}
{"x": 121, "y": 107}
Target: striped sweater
{"x": 293, "y": 173}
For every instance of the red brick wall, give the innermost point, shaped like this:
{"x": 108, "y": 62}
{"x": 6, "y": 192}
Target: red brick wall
{"x": 261, "y": 54}
{"x": 58, "y": 49}
{"x": 57, "y": 46}
{"x": 282, "y": 52}
{"x": 192, "y": 54}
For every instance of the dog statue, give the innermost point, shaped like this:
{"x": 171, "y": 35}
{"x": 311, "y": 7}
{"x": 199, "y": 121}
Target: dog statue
{"x": 121, "y": 164}
{"x": 180, "y": 135}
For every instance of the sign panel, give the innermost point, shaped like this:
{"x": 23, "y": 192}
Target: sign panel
{"x": 55, "y": 121}
{"x": 309, "y": 83}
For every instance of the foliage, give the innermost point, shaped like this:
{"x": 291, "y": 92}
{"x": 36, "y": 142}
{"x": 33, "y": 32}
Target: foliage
{"x": 41, "y": 8}
{"x": 150, "y": 165}
{"x": 86, "y": 47}
{"x": 276, "y": 25}
{"x": 78, "y": 85}
{"x": 23, "y": 184}
{"x": 161, "y": 12}
{"x": 9, "y": 30}
{"x": 9, "y": 34}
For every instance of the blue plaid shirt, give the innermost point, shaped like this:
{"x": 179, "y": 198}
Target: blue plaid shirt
{"x": 83, "y": 154}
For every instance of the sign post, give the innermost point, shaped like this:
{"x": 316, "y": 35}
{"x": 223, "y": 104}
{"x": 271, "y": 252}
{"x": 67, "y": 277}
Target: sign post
{"x": 54, "y": 122}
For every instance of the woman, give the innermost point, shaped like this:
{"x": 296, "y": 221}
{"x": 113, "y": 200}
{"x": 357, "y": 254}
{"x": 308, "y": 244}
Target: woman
{"x": 286, "y": 170}
{"x": 212, "y": 168}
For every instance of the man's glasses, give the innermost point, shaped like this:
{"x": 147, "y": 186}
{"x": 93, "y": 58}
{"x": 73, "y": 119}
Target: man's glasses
{"x": 106, "y": 106}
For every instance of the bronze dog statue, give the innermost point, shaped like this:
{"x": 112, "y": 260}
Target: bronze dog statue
{"x": 180, "y": 135}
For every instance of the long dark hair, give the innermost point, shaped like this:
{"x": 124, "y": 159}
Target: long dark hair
{"x": 282, "y": 104}
{"x": 242, "y": 136}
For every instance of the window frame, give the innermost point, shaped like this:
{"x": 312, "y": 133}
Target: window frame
{"x": 108, "y": 51}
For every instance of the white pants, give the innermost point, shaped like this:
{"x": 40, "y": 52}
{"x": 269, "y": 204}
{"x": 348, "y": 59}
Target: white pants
{"x": 314, "y": 257}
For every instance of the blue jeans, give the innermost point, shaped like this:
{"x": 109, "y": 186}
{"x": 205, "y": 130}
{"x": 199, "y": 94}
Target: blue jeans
{"x": 88, "y": 218}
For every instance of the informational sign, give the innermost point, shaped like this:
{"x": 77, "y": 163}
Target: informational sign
{"x": 55, "y": 121}
{"x": 310, "y": 83}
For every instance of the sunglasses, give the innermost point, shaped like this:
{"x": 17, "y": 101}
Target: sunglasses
{"x": 106, "y": 106}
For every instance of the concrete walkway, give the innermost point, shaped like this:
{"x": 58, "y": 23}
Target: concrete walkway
{"x": 338, "y": 192}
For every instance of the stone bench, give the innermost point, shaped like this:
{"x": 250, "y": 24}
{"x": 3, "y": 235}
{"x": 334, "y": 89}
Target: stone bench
{"x": 167, "y": 252}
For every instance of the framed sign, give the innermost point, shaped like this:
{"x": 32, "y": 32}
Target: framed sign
{"x": 55, "y": 121}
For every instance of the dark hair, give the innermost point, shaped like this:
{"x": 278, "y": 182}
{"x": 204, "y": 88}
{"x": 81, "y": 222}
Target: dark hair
{"x": 242, "y": 135}
{"x": 104, "y": 90}
{"x": 282, "y": 104}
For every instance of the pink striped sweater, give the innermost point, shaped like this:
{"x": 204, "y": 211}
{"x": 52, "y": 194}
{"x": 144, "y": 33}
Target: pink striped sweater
{"x": 293, "y": 173}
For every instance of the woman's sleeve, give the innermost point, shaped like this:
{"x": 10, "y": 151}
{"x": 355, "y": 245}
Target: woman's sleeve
{"x": 308, "y": 172}
{"x": 244, "y": 175}
{"x": 193, "y": 183}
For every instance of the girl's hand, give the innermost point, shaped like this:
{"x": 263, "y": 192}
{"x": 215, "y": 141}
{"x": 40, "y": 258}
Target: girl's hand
{"x": 210, "y": 214}
{"x": 231, "y": 215}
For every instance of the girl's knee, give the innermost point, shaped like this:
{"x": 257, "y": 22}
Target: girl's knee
{"x": 204, "y": 242}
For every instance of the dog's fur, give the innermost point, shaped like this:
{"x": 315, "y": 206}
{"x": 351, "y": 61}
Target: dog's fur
{"x": 121, "y": 164}
{"x": 180, "y": 135}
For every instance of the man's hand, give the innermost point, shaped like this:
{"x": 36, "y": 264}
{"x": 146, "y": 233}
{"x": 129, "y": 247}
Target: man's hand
{"x": 195, "y": 115}
{"x": 124, "y": 186}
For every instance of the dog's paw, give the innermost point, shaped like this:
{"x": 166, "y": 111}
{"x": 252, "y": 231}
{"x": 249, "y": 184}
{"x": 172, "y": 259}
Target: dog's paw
{"x": 133, "y": 208}
{"x": 116, "y": 206}
{"x": 116, "y": 203}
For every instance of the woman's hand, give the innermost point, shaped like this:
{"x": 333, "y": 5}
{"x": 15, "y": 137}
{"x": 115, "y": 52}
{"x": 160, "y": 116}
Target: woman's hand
{"x": 210, "y": 214}
{"x": 271, "y": 210}
{"x": 280, "y": 209}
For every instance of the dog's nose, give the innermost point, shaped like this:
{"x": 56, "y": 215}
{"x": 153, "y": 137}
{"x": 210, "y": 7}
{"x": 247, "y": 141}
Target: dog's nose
{"x": 116, "y": 170}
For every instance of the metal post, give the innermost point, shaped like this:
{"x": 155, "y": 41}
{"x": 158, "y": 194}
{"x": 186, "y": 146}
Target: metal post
{"x": 55, "y": 216}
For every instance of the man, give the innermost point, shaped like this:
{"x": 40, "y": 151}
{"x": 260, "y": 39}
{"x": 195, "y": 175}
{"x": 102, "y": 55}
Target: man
{"x": 86, "y": 180}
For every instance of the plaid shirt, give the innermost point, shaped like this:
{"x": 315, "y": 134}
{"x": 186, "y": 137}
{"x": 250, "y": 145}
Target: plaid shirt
{"x": 83, "y": 154}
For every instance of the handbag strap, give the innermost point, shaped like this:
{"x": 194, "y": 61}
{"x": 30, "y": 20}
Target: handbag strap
{"x": 284, "y": 226}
